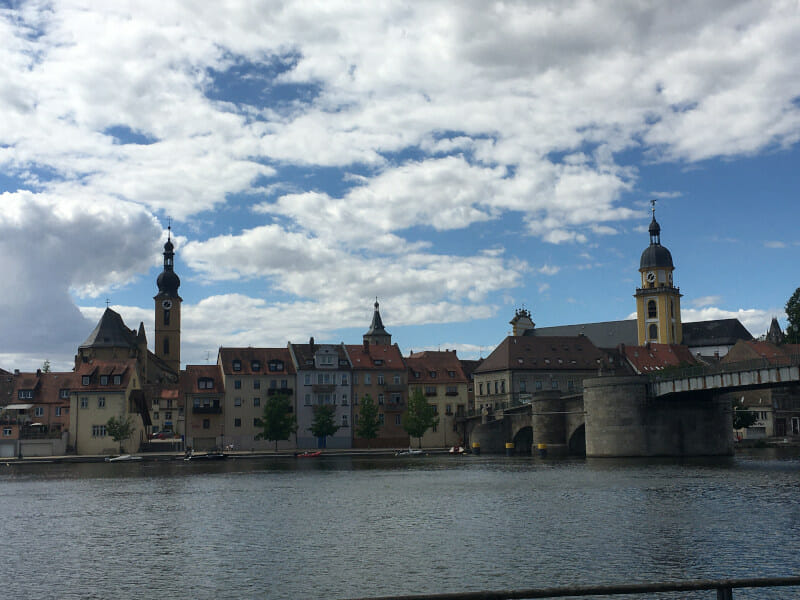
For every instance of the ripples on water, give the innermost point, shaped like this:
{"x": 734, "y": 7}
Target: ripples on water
{"x": 341, "y": 527}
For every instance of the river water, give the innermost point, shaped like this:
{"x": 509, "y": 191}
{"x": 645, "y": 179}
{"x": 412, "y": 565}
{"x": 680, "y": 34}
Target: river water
{"x": 349, "y": 527}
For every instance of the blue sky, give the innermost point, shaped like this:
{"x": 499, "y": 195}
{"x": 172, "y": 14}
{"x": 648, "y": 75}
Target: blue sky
{"x": 456, "y": 160}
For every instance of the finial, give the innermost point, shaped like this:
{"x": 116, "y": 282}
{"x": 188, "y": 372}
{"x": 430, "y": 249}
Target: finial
{"x": 376, "y": 303}
{"x": 169, "y": 228}
{"x": 653, "y": 207}
{"x": 108, "y": 302}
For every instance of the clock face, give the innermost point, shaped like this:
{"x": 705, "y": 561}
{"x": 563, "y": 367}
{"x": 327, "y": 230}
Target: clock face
{"x": 651, "y": 277}
{"x": 166, "y": 304}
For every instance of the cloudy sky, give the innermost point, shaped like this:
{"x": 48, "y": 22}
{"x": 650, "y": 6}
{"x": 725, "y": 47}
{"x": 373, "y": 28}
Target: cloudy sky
{"x": 457, "y": 160}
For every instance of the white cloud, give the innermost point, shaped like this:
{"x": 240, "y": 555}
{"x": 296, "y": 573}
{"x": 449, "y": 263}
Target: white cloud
{"x": 756, "y": 321}
{"x": 774, "y": 244}
{"x": 706, "y": 301}
{"x": 549, "y": 269}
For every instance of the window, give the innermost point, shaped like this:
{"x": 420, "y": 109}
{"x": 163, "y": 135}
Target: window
{"x": 380, "y": 398}
{"x": 480, "y": 389}
{"x": 355, "y": 378}
{"x": 63, "y": 394}
{"x": 117, "y": 379}
{"x": 255, "y": 365}
{"x": 308, "y": 379}
{"x": 206, "y": 423}
{"x": 496, "y": 387}
{"x": 652, "y": 311}
{"x": 653, "y": 332}
{"x": 432, "y": 374}
{"x": 237, "y": 384}
{"x": 38, "y": 411}
{"x": 6, "y": 431}
{"x": 355, "y": 419}
{"x": 98, "y": 431}
{"x": 166, "y": 346}
{"x": 344, "y": 399}
{"x": 367, "y": 379}
{"x": 523, "y": 385}
{"x": 205, "y": 383}
{"x": 378, "y": 361}
{"x": 155, "y": 428}
{"x": 396, "y": 379}
{"x": 155, "y": 403}
{"x": 435, "y": 427}
{"x": 344, "y": 378}
{"x": 284, "y": 384}
{"x": 84, "y": 402}
{"x": 554, "y": 383}
{"x": 237, "y": 365}
{"x": 381, "y": 380}
{"x": 237, "y": 401}
{"x": 430, "y": 390}
{"x": 256, "y": 422}
{"x": 395, "y": 398}
{"x": 237, "y": 422}
{"x": 155, "y": 415}
{"x": 58, "y": 411}
{"x": 448, "y": 409}
{"x": 25, "y": 394}
{"x": 276, "y": 365}
{"x": 398, "y": 420}
{"x": 344, "y": 421}
{"x": 416, "y": 375}
{"x": 85, "y": 380}
{"x": 538, "y": 384}
{"x": 103, "y": 379}
{"x": 451, "y": 374}
{"x": 452, "y": 390}
{"x": 273, "y": 383}
{"x": 308, "y": 400}
{"x": 166, "y": 317}
{"x": 381, "y": 419}
{"x": 101, "y": 402}
{"x": 326, "y": 359}
{"x": 167, "y": 415}
{"x": 570, "y": 384}
{"x": 256, "y": 384}
{"x": 256, "y": 401}
{"x": 503, "y": 386}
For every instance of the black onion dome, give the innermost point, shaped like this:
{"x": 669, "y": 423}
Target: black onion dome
{"x": 168, "y": 247}
{"x": 168, "y": 283}
{"x": 655, "y": 228}
{"x": 655, "y": 256}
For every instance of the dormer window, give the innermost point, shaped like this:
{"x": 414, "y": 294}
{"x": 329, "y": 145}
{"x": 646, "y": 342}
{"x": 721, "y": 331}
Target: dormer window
{"x": 205, "y": 383}
{"x": 85, "y": 380}
{"x": 237, "y": 365}
{"x": 451, "y": 374}
{"x": 117, "y": 379}
{"x": 255, "y": 365}
{"x": 25, "y": 394}
{"x": 64, "y": 394}
{"x": 378, "y": 361}
{"x": 103, "y": 379}
{"x": 276, "y": 365}
{"x": 432, "y": 374}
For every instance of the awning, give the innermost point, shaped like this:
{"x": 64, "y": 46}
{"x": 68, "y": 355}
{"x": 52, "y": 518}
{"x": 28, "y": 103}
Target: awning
{"x": 19, "y": 406}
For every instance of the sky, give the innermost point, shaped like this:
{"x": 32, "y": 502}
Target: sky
{"x": 455, "y": 160}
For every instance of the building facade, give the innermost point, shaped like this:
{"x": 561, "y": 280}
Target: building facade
{"x": 203, "y": 390}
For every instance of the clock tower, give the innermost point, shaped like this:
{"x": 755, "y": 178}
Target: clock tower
{"x": 168, "y": 311}
{"x": 658, "y": 301}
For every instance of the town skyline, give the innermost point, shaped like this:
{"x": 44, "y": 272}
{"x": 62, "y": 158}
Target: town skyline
{"x": 310, "y": 163}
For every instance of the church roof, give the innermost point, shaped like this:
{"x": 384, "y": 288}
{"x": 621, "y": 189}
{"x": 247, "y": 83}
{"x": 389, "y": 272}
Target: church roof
{"x": 606, "y": 334}
{"x": 717, "y": 332}
{"x": 655, "y": 255}
{"x": 545, "y": 353}
{"x": 111, "y": 332}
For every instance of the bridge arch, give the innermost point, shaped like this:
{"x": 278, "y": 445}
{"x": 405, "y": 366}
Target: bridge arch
{"x": 523, "y": 440}
{"x": 577, "y": 442}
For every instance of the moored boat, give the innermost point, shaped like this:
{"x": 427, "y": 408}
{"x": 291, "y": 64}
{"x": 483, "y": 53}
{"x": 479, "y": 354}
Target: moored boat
{"x": 123, "y": 458}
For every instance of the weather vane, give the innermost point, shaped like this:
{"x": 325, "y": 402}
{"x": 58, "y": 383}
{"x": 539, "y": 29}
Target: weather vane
{"x": 653, "y": 207}
{"x": 108, "y": 302}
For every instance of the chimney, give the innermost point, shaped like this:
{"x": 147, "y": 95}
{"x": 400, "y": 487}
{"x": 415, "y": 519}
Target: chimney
{"x": 311, "y": 343}
{"x": 38, "y": 372}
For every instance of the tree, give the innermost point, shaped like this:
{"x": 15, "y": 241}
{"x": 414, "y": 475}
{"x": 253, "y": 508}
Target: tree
{"x": 120, "y": 429}
{"x": 277, "y": 422}
{"x": 419, "y": 416}
{"x": 368, "y": 423}
{"x": 793, "y": 313}
{"x": 742, "y": 417}
{"x": 46, "y": 366}
{"x": 324, "y": 423}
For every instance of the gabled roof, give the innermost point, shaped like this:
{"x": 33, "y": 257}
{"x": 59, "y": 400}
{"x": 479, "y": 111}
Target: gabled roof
{"x": 111, "y": 332}
{"x": 263, "y": 356}
{"x": 375, "y": 357}
{"x": 656, "y": 357}
{"x": 551, "y": 353}
{"x": 46, "y": 387}
{"x": 469, "y": 366}
{"x": 304, "y": 353}
{"x": 755, "y": 349}
{"x": 97, "y": 368}
{"x": 435, "y": 366}
{"x": 717, "y": 332}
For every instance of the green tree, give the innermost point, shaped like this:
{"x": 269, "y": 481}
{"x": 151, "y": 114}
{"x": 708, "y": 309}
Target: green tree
{"x": 324, "y": 423}
{"x": 277, "y": 422}
{"x": 46, "y": 366}
{"x": 419, "y": 416}
{"x": 120, "y": 429}
{"x": 743, "y": 418}
{"x": 368, "y": 423}
{"x": 793, "y": 313}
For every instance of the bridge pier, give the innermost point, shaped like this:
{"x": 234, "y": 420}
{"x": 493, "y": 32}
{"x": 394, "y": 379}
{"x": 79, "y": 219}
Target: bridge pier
{"x": 622, "y": 420}
{"x": 549, "y": 422}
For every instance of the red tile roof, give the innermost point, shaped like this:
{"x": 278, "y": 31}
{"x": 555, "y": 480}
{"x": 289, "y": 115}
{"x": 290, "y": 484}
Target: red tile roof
{"x": 375, "y": 357}
{"x": 656, "y": 357}
{"x": 543, "y": 353}
{"x": 263, "y": 355}
{"x": 433, "y": 366}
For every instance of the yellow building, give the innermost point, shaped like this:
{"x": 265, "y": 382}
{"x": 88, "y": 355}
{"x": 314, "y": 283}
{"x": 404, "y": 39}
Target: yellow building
{"x": 658, "y": 301}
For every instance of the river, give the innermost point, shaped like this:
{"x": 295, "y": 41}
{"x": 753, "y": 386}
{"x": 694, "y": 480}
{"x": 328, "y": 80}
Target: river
{"x": 338, "y": 527}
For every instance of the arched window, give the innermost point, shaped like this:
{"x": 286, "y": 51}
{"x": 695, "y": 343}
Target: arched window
{"x": 166, "y": 346}
{"x": 652, "y": 312}
{"x": 653, "y": 332}
{"x": 672, "y": 308}
{"x": 166, "y": 317}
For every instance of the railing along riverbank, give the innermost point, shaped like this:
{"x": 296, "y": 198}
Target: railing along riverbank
{"x": 723, "y": 587}
{"x": 792, "y": 360}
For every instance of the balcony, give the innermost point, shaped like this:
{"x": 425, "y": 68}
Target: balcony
{"x": 280, "y": 391}
{"x": 451, "y": 393}
{"x": 394, "y": 406}
{"x": 207, "y": 410}
{"x": 323, "y": 388}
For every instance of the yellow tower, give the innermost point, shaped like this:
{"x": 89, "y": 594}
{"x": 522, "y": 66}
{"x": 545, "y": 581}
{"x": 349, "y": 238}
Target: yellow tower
{"x": 168, "y": 311}
{"x": 658, "y": 301}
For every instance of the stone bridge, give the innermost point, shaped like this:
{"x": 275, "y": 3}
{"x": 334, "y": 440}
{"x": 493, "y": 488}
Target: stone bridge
{"x": 679, "y": 413}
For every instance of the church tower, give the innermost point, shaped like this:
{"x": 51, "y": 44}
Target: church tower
{"x": 168, "y": 311}
{"x": 658, "y": 301}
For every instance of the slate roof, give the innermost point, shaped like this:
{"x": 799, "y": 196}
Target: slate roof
{"x": 606, "y": 334}
{"x": 305, "y": 352}
{"x": 96, "y": 368}
{"x": 717, "y": 332}
{"x": 193, "y": 373}
{"x": 656, "y": 357}
{"x": 376, "y": 328}
{"x": 546, "y": 353}
{"x": 435, "y": 366}
{"x": 111, "y": 332}
{"x": 363, "y": 357}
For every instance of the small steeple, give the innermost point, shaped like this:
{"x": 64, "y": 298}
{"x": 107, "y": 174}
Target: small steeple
{"x": 168, "y": 282}
{"x": 377, "y": 334}
{"x": 655, "y": 228}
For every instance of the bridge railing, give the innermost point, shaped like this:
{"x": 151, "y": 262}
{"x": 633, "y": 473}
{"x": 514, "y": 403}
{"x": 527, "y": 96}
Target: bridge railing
{"x": 723, "y": 587}
{"x": 792, "y": 360}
